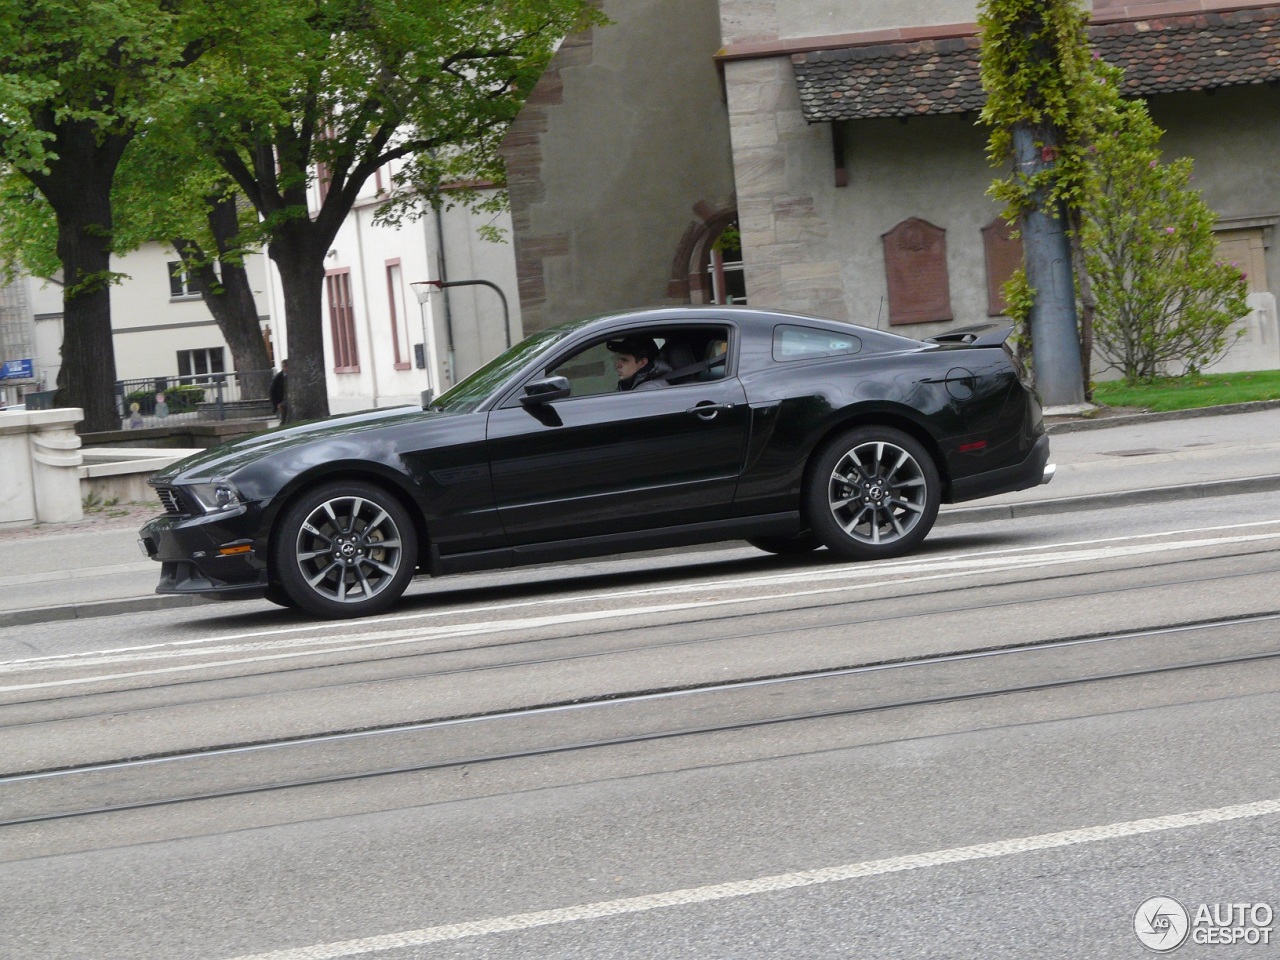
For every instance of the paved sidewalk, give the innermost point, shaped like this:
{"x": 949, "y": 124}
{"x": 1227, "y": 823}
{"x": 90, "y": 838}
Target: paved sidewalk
{"x": 95, "y": 568}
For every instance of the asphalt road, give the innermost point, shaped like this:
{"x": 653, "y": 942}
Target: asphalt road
{"x": 999, "y": 747}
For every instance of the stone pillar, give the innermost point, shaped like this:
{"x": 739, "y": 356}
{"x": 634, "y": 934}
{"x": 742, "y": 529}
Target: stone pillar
{"x": 17, "y": 491}
{"x": 55, "y": 464}
{"x": 41, "y": 481}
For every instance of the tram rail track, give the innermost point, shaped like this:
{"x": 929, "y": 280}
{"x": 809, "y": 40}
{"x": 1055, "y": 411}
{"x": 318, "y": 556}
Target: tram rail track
{"x": 60, "y": 791}
{"x": 593, "y": 630}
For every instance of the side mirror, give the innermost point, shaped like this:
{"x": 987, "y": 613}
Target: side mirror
{"x": 544, "y": 391}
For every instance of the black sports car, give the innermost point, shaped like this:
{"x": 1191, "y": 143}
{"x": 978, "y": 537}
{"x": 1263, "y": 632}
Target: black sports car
{"x": 787, "y": 431}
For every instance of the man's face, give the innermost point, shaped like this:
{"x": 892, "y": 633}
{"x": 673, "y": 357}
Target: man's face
{"x": 625, "y": 365}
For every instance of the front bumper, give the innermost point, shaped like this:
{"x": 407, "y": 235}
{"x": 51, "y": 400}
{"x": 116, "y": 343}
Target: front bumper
{"x": 220, "y": 555}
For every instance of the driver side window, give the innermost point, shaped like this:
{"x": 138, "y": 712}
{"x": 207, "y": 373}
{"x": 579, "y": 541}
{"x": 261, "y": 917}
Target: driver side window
{"x": 683, "y": 354}
{"x": 589, "y": 371}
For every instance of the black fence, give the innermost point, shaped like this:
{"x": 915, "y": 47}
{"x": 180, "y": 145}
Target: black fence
{"x": 160, "y": 401}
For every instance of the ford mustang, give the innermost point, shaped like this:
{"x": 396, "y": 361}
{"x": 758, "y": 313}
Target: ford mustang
{"x": 791, "y": 432}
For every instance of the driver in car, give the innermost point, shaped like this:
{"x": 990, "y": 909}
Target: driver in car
{"x": 636, "y": 361}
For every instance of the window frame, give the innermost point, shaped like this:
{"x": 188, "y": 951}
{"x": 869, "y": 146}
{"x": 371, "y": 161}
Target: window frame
{"x": 342, "y": 320}
{"x": 395, "y": 272}
{"x": 182, "y": 284}
{"x": 208, "y": 353}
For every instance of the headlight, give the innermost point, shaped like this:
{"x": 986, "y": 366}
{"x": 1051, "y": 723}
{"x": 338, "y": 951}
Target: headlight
{"x": 215, "y": 496}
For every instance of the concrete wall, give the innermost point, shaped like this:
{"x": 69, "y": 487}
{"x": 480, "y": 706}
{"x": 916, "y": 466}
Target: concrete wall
{"x": 816, "y": 248}
{"x": 746, "y": 21}
{"x": 621, "y": 151}
{"x": 40, "y": 481}
{"x": 1232, "y": 136}
{"x": 477, "y": 311}
{"x": 752, "y": 20}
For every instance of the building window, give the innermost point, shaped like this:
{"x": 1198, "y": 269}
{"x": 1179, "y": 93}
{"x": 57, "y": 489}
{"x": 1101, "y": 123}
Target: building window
{"x": 199, "y": 364}
{"x": 182, "y": 285}
{"x": 342, "y": 321}
{"x": 399, "y": 316}
{"x": 725, "y": 278}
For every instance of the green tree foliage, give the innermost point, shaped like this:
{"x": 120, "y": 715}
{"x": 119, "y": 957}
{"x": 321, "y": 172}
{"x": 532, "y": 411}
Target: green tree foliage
{"x": 1036, "y": 72}
{"x": 1035, "y": 69}
{"x": 1153, "y": 294}
{"x": 77, "y": 77}
{"x": 167, "y": 192}
{"x": 1165, "y": 300}
{"x": 170, "y": 191}
{"x": 345, "y": 88}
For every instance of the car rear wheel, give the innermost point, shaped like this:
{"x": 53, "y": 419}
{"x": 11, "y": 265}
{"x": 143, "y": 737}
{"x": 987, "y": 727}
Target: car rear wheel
{"x": 345, "y": 549}
{"x": 874, "y": 493}
{"x": 787, "y": 546}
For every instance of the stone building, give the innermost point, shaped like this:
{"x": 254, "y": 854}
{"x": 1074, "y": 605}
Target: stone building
{"x": 842, "y": 141}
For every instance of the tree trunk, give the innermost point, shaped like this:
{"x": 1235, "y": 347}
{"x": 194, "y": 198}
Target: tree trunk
{"x": 230, "y": 300}
{"x": 78, "y": 187}
{"x": 1046, "y": 252}
{"x": 302, "y": 288}
{"x": 1087, "y": 306}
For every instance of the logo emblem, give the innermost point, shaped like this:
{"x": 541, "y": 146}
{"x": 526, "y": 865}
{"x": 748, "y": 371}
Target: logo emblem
{"x": 1161, "y": 923}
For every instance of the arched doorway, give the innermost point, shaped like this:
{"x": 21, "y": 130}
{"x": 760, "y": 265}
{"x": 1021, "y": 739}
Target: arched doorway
{"x": 708, "y": 264}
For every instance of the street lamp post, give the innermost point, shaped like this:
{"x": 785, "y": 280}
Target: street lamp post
{"x": 506, "y": 314}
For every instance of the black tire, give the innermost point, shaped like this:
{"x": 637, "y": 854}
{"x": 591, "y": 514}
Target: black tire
{"x": 873, "y": 493}
{"x": 275, "y": 593}
{"x": 345, "y": 549}
{"x": 798, "y": 545}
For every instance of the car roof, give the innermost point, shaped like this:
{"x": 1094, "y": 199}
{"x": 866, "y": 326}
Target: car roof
{"x": 745, "y": 316}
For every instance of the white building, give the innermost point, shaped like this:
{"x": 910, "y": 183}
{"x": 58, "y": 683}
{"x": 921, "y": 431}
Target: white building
{"x": 383, "y": 346}
{"x": 387, "y": 335}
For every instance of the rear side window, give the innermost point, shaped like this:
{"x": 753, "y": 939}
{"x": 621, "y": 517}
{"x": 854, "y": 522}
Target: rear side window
{"x": 802, "y": 343}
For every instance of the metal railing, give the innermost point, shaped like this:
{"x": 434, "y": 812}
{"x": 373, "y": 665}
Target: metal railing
{"x": 162, "y": 401}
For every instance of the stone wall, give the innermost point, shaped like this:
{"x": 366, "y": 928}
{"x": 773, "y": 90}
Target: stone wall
{"x": 622, "y": 145}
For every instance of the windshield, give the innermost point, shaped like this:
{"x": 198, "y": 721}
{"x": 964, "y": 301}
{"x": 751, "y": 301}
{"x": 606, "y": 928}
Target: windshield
{"x": 467, "y": 394}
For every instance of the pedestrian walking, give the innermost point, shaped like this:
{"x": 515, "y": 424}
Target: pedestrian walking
{"x": 280, "y": 392}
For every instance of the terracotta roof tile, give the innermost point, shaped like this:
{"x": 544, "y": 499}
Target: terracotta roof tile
{"x": 1159, "y": 55}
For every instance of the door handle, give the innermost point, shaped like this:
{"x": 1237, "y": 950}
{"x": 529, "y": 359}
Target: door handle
{"x": 707, "y": 410}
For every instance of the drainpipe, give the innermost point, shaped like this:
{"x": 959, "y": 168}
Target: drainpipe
{"x": 443, "y": 274}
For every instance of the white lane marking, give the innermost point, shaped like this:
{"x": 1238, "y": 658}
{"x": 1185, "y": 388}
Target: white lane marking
{"x": 316, "y": 646}
{"x": 785, "y": 881}
{"x": 850, "y": 572}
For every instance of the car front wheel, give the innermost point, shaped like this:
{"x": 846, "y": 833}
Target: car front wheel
{"x": 873, "y": 493}
{"x": 345, "y": 549}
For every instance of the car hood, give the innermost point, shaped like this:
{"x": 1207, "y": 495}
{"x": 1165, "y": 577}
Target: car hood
{"x": 223, "y": 461}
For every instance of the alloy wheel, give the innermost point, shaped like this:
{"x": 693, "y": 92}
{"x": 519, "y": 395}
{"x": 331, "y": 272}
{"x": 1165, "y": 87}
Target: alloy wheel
{"x": 349, "y": 549}
{"x": 877, "y": 492}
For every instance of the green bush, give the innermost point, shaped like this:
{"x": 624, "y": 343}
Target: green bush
{"x": 1164, "y": 299}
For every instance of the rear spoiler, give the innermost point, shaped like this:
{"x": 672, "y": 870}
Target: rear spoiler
{"x": 981, "y": 335}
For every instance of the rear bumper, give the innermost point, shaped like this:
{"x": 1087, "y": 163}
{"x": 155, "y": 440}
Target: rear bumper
{"x": 192, "y": 557}
{"x": 1031, "y": 472}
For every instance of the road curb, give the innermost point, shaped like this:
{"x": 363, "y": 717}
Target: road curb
{"x": 948, "y": 517}
{"x": 1076, "y": 424}
{"x": 1120, "y": 498}
{"x": 98, "y": 608}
